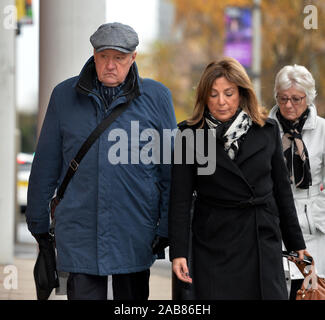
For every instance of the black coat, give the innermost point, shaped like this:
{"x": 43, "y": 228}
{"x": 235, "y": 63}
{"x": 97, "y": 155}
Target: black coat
{"x": 243, "y": 212}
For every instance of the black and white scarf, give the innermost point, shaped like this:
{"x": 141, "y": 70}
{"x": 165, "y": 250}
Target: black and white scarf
{"x": 297, "y": 161}
{"x": 231, "y": 132}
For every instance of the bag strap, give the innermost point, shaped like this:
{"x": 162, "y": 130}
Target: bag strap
{"x": 310, "y": 276}
{"x": 74, "y": 163}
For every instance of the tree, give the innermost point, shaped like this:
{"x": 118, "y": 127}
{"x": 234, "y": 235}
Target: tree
{"x": 180, "y": 62}
{"x": 287, "y": 41}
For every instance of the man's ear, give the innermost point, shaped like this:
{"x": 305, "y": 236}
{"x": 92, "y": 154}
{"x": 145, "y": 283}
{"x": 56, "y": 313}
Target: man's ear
{"x": 134, "y": 54}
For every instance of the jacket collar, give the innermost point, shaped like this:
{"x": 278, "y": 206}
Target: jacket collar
{"x": 85, "y": 83}
{"x": 310, "y": 123}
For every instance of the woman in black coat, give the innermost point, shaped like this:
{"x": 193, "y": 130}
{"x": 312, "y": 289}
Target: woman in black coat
{"x": 244, "y": 207}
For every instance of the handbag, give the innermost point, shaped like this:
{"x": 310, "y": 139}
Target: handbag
{"x": 313, "y": 287}
{"x": 45, "y": 273}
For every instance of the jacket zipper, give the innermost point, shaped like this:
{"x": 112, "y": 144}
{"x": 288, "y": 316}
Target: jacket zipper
{"x": 294, "y": 184}
{"x": 103, "y": 100}
{"x": 94, "y": 93}
{"x": 307, "y": 219}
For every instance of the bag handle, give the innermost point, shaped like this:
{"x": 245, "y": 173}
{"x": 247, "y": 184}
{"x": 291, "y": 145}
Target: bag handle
{"x": 310, "y": 276}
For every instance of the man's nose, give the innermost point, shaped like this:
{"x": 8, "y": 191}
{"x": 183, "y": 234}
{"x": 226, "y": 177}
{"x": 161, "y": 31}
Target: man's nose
{"x": 110, "y": 64}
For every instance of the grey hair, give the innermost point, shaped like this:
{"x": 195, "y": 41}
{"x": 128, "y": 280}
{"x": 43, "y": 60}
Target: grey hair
{"x": 298, "y": 77}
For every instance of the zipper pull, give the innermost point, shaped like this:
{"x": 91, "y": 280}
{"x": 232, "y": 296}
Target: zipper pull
{"x": 309, "y": 227}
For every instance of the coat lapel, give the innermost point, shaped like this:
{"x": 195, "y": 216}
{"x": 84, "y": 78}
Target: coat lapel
{"x": 222, "y": 159}
{"x": 253, "y": 143}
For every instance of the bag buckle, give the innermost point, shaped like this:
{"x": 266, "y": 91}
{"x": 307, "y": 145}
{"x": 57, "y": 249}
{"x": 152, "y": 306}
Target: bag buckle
{"x": 74, "y": 165}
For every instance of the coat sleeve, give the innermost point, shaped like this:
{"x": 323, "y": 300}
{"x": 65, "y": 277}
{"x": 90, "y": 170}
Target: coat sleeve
{"x": 45, "y": 171}
{"x": 289, "y": 224}
{"x": 181, "y": 195}
{"x": 168, "y": 123}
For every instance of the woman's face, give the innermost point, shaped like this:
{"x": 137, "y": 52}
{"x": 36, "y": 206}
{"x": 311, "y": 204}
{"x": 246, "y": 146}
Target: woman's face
{"x": 223, "y": 100}
{"x": 292, "y": 103}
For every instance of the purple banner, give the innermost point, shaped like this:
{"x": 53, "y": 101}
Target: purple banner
{"x": 239, "y": 35}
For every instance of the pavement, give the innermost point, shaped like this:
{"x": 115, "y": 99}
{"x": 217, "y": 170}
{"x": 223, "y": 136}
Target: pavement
{"x": 17, "y": 282}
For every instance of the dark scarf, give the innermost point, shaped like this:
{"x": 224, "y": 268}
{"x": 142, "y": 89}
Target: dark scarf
{"x": 230, "y": 133}
{"x": 298, "y": 165}
{"x": 108, "y": 93}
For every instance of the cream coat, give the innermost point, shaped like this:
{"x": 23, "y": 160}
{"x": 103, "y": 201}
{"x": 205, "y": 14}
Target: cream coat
{"x": 310, "y": 204}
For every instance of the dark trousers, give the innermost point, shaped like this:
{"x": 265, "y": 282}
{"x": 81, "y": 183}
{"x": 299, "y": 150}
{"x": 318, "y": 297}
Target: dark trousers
{"x": 295, "y": 286}
{"x": 131, "y": 286}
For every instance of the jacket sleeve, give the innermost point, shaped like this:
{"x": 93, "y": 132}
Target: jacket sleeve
{"x": 168, "y": 121}
{"x": 45, "y": 171}
{"x": 289, "y": 224}
{"x": 181, "y": 195}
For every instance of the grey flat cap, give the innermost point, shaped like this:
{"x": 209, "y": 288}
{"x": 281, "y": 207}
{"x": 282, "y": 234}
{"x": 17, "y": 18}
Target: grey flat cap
{"x": 115, "y": 36}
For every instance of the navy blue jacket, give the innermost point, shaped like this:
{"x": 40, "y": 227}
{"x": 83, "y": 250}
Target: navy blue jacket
{"x": 111, "y": 212}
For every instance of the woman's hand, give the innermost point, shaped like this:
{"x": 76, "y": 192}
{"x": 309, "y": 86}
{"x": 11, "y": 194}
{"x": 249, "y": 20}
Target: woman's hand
{"x": 181, "y": 270}
{"x": 302, "y": 253}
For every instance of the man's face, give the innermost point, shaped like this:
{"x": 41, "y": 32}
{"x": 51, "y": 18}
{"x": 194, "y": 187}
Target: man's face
{"x": 112, "y": 66}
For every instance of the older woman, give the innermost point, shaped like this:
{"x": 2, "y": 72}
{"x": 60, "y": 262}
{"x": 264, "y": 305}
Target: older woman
{"x": 303, "y": 140}
{"x": 244, "y": 209}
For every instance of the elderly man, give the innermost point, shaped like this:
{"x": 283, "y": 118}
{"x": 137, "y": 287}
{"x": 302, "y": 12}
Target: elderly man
{"x": 112, "y": 221}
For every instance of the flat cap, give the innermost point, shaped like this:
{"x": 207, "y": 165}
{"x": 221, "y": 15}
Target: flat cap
{"x": 115, "y": 36}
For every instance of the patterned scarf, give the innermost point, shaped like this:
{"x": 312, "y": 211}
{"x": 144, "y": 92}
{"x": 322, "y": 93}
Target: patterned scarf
{"x": 297, "y": 161}
{"x": 230, "y": 133}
